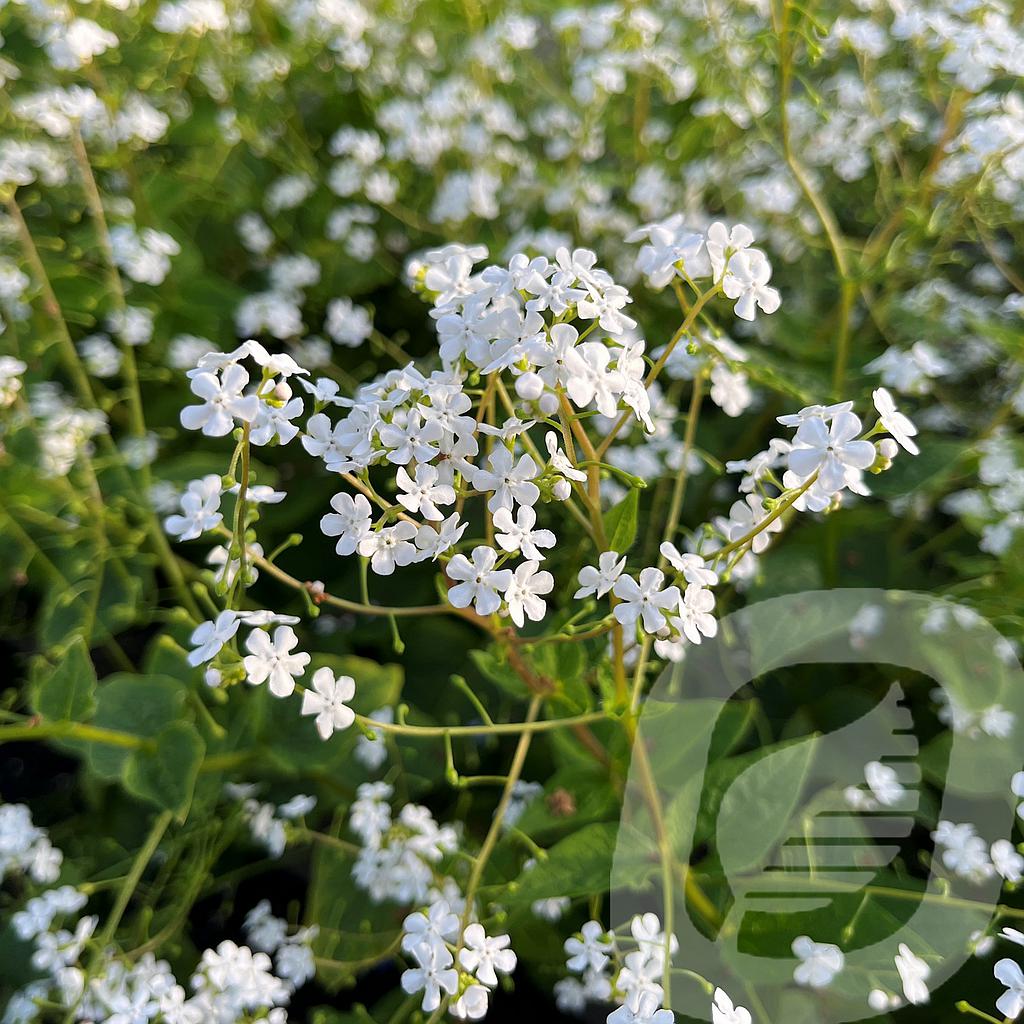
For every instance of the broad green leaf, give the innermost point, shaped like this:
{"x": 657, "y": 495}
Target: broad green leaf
{"x": 757, "y": 807}
{"x": 578, "y": 865}
{"x": 67, "y": 693}
{"x": 620, "y": 523}
{"x": 167, "y": 774}
{"x": 139, "y": 705}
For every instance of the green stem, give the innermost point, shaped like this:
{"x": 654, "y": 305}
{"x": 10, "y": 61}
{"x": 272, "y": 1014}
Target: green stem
{"x": 498, "y": 729}
{"x": 74, "y": 731}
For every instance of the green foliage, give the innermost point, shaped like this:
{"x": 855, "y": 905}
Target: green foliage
{"x": 66, "y": 692}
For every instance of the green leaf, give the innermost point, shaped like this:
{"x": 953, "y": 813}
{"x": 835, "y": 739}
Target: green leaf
{"x": 67, "y": 693}
{"x": 578, "y": 865}
{"x": 498, "y": 672}
{"x": 620, "y": 523}
{"x": 166, "y": 775}
{"x": 140, "y": 705}
{"x": 757, "y": 807}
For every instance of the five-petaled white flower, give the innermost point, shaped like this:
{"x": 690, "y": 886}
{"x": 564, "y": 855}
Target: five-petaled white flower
{"x": 482, "y": 954}
{"x": 478, "y": 582}
{"x": 643, "y": 1008}
{"x": 723, "y": 1011}
{"x": 601, "y": 578}
{"x": 517, "y": 533}
{"x": 327, "y": 701}
{"x": 589, "y": 950}
{"x": 272, "y": 661}
{"x": 830, "y": 450}
{"x": 509, "y": 480}
{"x": 349, "y": 522}
{"x": 524, "y": 593}
{"x": 223, "y": 401}
{"x": 433, "y": 975}
{"x": 721, "y": 243}
{"x": 819, "y": 963}
{"x": 646, "y": 600}
{"x": 693, "y": 613}
{"x": 899, "y": 425}
{"x": 746, "y": 279}
{"x": 424, "y": 493}
{"x": 200, "y": 506}
{"x": 210, "y": 637}
{"x": 913, "y": 972}
{"x": 1011, "y": 1003}
{"x": 389, "y": 546}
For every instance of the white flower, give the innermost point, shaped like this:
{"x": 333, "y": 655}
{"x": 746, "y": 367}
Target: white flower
{"x": 820, "y": 962}
{"x": 478, "y": 582}
{"x": 210, "y": 637}
{"x": 721, "y": 244}
{"x": 434, "y": 541}
{"x": 1011, "y": 1003}
{"x": 646, "y": 600}
{"x": 965, "y": 853}
{"x": 649, "y": 936}
{"x": 223, "y": 402}
{"x": 693, "y": 614}
{"x": 523, "y": 595}
{"x": 482, "y": 955}
{"x": 832, "y": 451}
{"x": 883, "y": 783}
{"x": 1007, "y": 861}
{"x": 899, "y": 425}
{"x": 601, "y": 578}
{"x": 913, "y": 972}
{"x": 327, "y": 701}
{"x": 471, "y": 1005}
{"x": 518, "y": 533}
{"x": 693, "y": 567}
{"x": 423, "y": 494}
{"x": 645, "y": 1008}
{"x": 433, "y": 975}
{"x": 200, "y": 506}
{"x": 349, "y": 522}
{"x": 559, "y": 460}
{"x": 1012, "y": 935}
{"x": 509, "y": 480}
{"x": 435, "y": 927}
{"x": 590, "y": 950}
{"x": 274, "y": 661}
{"x": 746, "y": 280}
{"x": 389, "y": 547}
{"x": 724, "y": 1012}
{"x": 745, "y": 517}
{"x": 264, "y": 931}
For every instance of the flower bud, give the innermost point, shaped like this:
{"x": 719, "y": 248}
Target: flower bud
{"x": 548, "y": 403}
{"x": 212, "y": 677}
{"x": 529, "y": 386}
{"x": 886, "y": 449}
{"x": 562, "y": 489}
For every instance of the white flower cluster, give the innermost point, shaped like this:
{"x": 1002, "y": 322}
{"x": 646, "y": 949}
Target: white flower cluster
{"x": 399, "y": 858}
{"x": 673, "y": 251}
{"x": 995, "y": 509}
{"x": 24, "y": 847}
{"x": 967, "y": 855}
{"x": 435, "y": 940}
{"x": 268, "y": 823}
{"x": 229, "y": 981}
